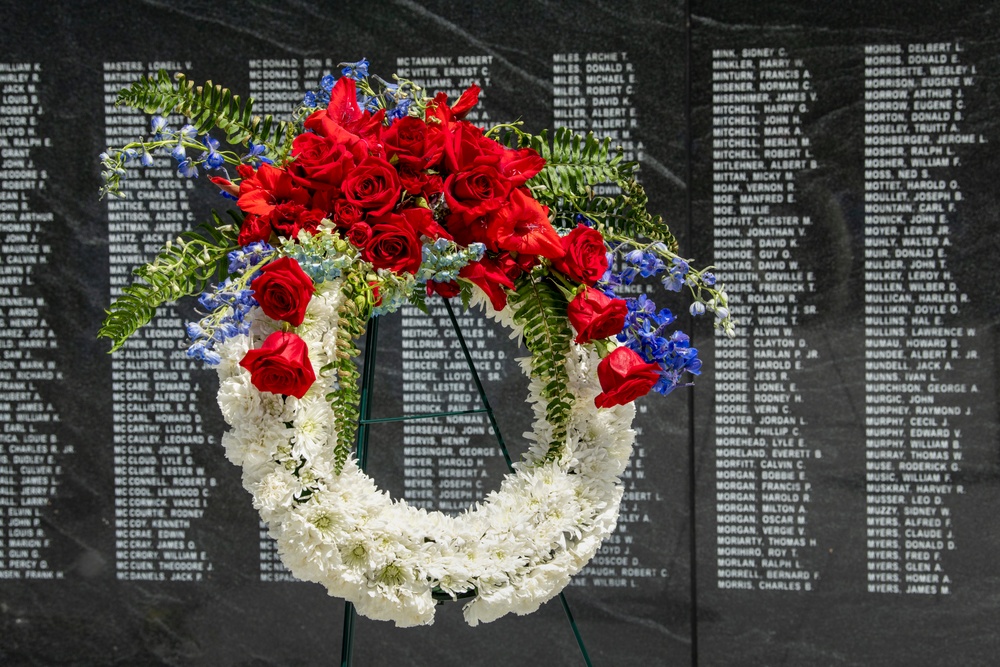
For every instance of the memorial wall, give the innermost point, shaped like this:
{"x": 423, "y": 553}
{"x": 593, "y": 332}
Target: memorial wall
{"x": 827, "y": 493}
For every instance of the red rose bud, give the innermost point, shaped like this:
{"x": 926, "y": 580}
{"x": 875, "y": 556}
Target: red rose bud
{"x": 624, "y": 377}
{"x": 586, "y": 257}
{"x": 373, "y": 185}
{"x": 283, "y": 290}
{"x": 359, "y": 234}
{"x": 395, "y": 245}
{"x": 281, "y": 365}
{"x": 595, "y": 316}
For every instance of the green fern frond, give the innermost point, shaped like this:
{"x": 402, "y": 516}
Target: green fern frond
{"x": 209, "y": 106}
{"x": 540, "y": 308}
{"x": 574, "y": 165}
{"x": 183, "y": 267}
{"x": 353, "y": 316}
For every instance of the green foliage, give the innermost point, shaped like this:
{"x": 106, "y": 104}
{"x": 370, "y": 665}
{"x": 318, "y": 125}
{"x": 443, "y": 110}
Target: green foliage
{"x": 353, "y": 317}
{"x": 540, "y": 308}
{"x": 183, "y": 267}
{"x": 574, "y": 165}
{"x": 209, "y": 107}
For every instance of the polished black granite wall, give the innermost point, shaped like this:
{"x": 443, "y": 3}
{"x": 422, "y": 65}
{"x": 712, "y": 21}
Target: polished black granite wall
{"x": 686, "y": 614}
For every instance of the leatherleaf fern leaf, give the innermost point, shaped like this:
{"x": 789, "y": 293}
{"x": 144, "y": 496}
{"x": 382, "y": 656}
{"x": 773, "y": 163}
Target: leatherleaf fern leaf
{"x": 540, "y": 309}
{"x": 209, "y": 106}
{"x": 574, "y": 164}
{"x": 183, "y": 267}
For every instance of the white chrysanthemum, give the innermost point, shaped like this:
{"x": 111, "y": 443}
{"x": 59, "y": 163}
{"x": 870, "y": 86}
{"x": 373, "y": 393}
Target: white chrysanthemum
{"x": 516, "y": 549}
{"x": 313, "y": 417}
{"x": 274, "y": 492}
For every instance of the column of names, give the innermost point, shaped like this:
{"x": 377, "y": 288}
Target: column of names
{"x": 31, "y": 455}
{"x": 160, "y": 492}
{"x": 763, "y": 487}
{"x": 917, "y": 354}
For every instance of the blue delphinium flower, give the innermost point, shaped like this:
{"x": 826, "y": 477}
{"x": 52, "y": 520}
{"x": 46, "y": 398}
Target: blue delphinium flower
{"x": 356, "y": 71}
{"x": 399, "y": 111}
{"x": 157, "y": 125}
{"x": 256, "y": 154}
{"x": 212, "y": 158}
{"x": 243, "y": 258}
{"x": 644, "y": 333}
{"x": 187, "y": 168}
{"x": 674, "y": 279}
{"x": 229, "y": 306}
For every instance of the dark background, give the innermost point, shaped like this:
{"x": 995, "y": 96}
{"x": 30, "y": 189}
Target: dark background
{"x": 232, "y": 618}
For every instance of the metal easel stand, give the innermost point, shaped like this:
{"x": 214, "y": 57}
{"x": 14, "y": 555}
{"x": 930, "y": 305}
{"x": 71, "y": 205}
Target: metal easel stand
{"x": 365, "y": 409}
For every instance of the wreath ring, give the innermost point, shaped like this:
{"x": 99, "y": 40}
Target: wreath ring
{"x": 511, "y": 552}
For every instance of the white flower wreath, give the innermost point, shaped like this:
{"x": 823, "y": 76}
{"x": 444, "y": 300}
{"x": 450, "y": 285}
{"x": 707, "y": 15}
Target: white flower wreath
{"x": 515, "y": 550}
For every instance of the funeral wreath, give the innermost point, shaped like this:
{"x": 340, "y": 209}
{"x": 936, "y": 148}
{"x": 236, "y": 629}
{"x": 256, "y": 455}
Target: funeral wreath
{"x": 374, "y": 195}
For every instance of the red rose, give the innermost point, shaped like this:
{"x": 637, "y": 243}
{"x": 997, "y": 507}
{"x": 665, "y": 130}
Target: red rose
{"x": 281, "y": 365}
{"x": 489, "y": 277}
{"x": 283, "y": 290}
{"x": 596, "y": 316}
{"x": 415, "y": 178}
{"x": 586, "y": 257}
{"x": 624, "y": 377}
{"x": 412, "y": 138}
{"x": 288, "y": 219}
{"x": 373, "y": 185}
{"x": 360, "y": 233}
{"x": 395, "y": 245}
{"x": 474, "y": 193}
{"x": 466, "y": 147}
{"x": 346, "y": 214}
{"x": 523, "y": 226}
{"x": 321, "y": 163}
